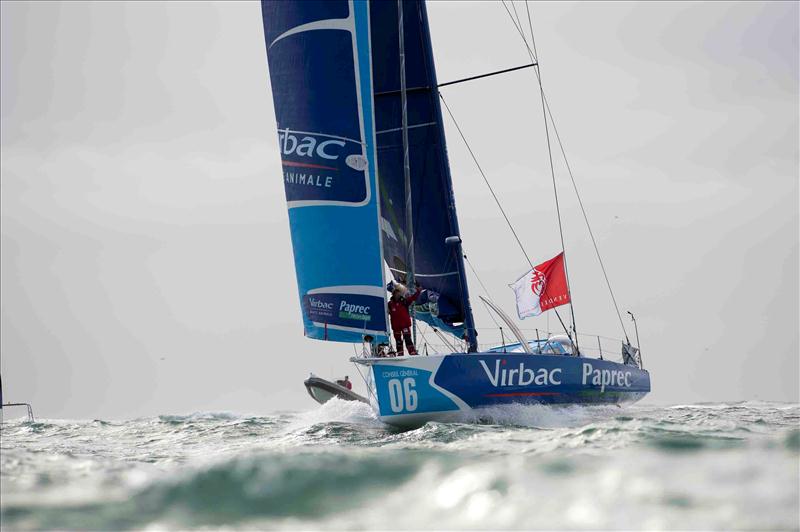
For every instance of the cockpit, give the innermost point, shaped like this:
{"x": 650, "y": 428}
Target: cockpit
{"x": 558, "y": 344}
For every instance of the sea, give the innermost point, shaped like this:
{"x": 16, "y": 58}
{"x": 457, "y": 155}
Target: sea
{"x": 704, "y": 466}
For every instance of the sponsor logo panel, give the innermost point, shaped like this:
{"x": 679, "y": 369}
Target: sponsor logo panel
{"x": 404, "y": 390}
{"x": 319, "y": 167}
{"x": 487, "y": 379}
{"x": 348, "y": 310}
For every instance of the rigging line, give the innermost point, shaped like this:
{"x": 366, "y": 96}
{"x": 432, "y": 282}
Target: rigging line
{"x": 448, "y": 83}
{"x": 586, "y": 219}
{"x": 485, "y": 290}
{"x": 534, "y": 59}
{"x": 486, "y": 180}
{"x": 471, "y": 267}
{"x": 363, "y": 378}
{"x": 572, "y": 179}
{"x": 480, "y": 76}
{"x": 555, "y": 188}
{"x": 514, "y": 7}
{"x": 424, "y": 338}
{"x": 530, "y": 26}
{"x": 558, "y": 215}
{"x": 491, "y": 315}
{"x": 496, "y": 199}
{"x": 519, "y": 29}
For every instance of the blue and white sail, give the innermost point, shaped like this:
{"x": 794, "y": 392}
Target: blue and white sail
{"x": 320, "y": 69}
{"x": 439, "y": 267}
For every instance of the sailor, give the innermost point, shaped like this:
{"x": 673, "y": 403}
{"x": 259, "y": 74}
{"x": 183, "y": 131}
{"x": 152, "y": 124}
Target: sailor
{"x": 400, "y": 317}
{"x": 346, "y": 383}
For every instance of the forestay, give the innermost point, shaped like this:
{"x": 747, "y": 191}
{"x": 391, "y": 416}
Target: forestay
{"x": 319, "y": 65}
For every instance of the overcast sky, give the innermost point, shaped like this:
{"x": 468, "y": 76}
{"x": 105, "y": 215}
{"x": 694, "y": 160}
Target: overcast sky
{"x": 146, "y": 260}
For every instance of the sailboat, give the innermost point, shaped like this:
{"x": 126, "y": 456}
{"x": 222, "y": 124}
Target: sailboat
{"x": 371, "y": 203}
{"x": 6, "y": 405}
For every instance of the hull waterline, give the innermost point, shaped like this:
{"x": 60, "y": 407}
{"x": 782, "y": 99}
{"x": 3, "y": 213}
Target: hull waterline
{"x": 410, "y": 391}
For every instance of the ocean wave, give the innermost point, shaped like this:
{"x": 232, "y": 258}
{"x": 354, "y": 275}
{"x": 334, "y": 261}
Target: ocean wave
{"x": 541, "y": 416}
{"x": 338, "y": 467}
{"x": 263, "y": 485}
{"x": 337, "y": 410}
{"x": 199, "y": 416}
{"x": 411, "y": 489}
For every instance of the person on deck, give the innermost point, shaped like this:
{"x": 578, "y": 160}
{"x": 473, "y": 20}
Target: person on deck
{"x": 401, "y": 319}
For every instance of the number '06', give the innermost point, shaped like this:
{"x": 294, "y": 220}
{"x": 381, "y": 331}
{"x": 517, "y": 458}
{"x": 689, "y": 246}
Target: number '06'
{"x": 402, "y": 396}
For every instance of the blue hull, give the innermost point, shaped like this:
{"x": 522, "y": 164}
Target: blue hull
{"x": 409, "y": 391}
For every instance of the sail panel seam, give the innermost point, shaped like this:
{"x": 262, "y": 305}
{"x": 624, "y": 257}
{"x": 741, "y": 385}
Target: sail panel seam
{"x": 409, "y": 127}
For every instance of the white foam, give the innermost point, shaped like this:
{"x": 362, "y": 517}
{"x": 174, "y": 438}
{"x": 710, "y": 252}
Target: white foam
{"x": 543, "y": 416}
{"x": 336, "y": 410}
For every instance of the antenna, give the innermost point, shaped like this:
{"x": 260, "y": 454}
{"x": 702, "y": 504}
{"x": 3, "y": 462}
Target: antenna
{"x": 636, "y": 328}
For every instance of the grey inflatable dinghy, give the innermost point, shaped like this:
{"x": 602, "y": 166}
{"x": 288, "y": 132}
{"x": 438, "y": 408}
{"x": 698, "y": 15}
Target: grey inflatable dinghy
{"x": 323, "y": 391}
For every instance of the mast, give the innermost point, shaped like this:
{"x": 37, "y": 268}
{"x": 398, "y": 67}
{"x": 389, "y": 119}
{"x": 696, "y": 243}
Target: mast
{"x": 454, "y": 241}
{"x": 410, "y": 266}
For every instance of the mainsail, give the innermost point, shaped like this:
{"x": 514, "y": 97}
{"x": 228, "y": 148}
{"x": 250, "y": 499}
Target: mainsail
{"x": 320, "y": 70}
{"x": 439, "y": 267}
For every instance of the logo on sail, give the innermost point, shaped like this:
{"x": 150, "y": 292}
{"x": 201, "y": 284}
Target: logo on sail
{"x": 318, "y": 167}
{"x": 356, "y": 311}
{"x": 320, "y": 305}
{"x": 307, "y": 145}
{"x": 352, "y": 311}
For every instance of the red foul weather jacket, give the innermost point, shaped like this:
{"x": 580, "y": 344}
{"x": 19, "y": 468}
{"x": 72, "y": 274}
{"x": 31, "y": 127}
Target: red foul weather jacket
{"x": 398, "y": 312}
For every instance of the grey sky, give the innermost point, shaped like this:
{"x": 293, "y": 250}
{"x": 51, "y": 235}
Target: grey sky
{"x": 146, "y": 261}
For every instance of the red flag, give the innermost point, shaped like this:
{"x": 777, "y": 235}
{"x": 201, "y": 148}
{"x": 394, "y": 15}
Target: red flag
{"x": 542, "y": 288}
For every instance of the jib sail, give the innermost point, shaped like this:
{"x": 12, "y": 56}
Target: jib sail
{"x": 439, "y": 267}
{"x": 320, "y": 69}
